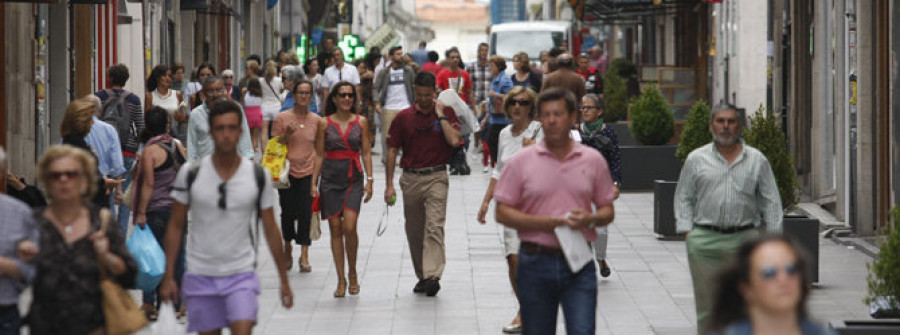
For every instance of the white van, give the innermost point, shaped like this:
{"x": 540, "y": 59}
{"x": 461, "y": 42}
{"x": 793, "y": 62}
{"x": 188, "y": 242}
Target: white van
{"x": 532, "y": 37}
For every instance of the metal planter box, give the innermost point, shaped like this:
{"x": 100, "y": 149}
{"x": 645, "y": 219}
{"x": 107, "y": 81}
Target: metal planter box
{"x": 641, "y": 165}
{"x": 664, "y": 207}
{"x": 866, "y": 327}
{"x": 805, "y": 231}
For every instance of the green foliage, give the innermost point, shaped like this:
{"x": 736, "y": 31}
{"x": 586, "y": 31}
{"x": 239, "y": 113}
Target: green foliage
{"x": 624, "y": 67}
{"x": 696, "y": 130}
{"x": 652, "y": 123}
{"x": 765, "y": 134}
{"x": 884, "y": 274}
{"x": 615, "y": 96}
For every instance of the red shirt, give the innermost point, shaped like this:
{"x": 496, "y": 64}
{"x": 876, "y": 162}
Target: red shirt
{"x": 432, "y": 67}
{"x": 421, "y": 138}
{"x": 447, "y": 79}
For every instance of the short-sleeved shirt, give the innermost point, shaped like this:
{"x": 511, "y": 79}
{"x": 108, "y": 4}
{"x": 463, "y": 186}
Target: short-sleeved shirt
{"x": 219, "y": 241}
{"x": 133, "y": 102}
{"x": 421, "y": 138}
{"x": 332, "y": 75}
{"x": 459, "y": 81}
{"x": 582, "y": 179}
{"x": 481, "y": 80}
{"x": 105, "y": 141}
{"x": 509, "y": 144}
{"x": 301, "y": 145}
{"x": 568, "y": 80}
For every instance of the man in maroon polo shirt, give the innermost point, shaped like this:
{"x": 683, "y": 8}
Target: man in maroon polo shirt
{"x": 428, "y": 133}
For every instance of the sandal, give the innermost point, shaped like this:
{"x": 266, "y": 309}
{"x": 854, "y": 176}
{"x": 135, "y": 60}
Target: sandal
{"x": 149, "y": 312}
{"x": 354, "y": 286}
{"x": 341, "y": 289}
{"x": 304, "y": 267}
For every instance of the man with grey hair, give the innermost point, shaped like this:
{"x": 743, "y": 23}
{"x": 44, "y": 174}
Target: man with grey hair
{"x": 565, "y": 77}
{"x": 199, "y": 141}
{"x": 725, "y": 192}
{"x": 290, "y": 76}
{"x": 17, "y": 249}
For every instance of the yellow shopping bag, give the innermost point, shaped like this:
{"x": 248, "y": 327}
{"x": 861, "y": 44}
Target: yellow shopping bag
{"x": 274, "y": 158}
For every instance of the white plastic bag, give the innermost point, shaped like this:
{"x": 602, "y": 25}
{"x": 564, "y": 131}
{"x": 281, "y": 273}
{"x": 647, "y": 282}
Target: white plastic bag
{"x": 466, "y": 118}
{"x": 166, "y": 323}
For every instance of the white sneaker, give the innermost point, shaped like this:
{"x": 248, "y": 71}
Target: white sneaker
{"x": 486, "y": 169}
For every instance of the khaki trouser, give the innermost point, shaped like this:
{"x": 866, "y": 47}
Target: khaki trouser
{"x": 425, "y": 210}
{"x": 708, "y": 252}
{"x": 387, "y": 116}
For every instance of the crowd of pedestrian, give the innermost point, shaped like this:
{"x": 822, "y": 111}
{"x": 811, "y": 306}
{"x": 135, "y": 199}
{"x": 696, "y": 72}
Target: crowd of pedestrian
{"x": 186, "y": 166}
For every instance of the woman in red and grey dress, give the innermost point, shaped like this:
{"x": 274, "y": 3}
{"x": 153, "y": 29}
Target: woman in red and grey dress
{"x": 342, "y": 138}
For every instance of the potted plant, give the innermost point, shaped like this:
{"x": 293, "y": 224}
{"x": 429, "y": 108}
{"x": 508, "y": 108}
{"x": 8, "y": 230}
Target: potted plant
{"x": 616, "y": 98}
{"x": 652, "y": 124}
{"x": 765, "y": 134}
{"x": 696, "y": 134}
{"x": 884, "y": 287}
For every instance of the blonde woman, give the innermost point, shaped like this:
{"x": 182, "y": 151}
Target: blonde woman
{"x": 271, "y": 94}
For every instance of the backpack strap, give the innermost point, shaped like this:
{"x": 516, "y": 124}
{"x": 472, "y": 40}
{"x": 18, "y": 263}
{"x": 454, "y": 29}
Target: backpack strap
{"x": 260, "y": 175}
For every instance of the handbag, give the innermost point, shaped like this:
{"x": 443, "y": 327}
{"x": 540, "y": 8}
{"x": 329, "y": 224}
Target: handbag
{"x": 121, "y": 314}
{"x": 315, "y": 231}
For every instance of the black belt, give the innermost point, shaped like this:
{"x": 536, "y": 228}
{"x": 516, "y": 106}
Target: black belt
{"x": 8, "y": 308}
{"x": 730, "y": 230}
{"x": 534, "y": 248}
{"x": 427, "y": 170}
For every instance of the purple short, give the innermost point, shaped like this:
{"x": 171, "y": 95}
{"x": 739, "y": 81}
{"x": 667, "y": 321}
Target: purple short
{"x": 215, "y": 302}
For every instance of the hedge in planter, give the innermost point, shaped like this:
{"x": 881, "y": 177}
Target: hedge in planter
{"x": 696, "y": 130}
{"x": 615, "y": 96}
{"x": 765, "y": 135}
{"x": 884, "y": 274}
{"x": 652, "y": 123}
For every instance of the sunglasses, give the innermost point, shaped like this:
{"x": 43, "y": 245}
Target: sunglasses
{"x": 58, "y": 175}
{"x": 227, "y": 77}
{"x": 770, "y": 272}
{"x": 584, "y": 108}
{"x": 346, "y": 95}
{"x": 515, "y": 102}
{"x": 222, "y": 195}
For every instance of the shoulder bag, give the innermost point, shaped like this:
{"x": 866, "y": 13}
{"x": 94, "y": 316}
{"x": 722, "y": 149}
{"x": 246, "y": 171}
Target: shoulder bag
{"x": 121, "y": 314}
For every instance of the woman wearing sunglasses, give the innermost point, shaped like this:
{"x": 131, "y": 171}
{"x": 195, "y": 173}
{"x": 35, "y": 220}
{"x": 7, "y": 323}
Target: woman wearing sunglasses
{"x": 342, "y": 138}
{"x": 67, "y": 297}
{"x": 595, "y": 134}
{"x": 764, "y": 292}
{"x": 518, "y": 106}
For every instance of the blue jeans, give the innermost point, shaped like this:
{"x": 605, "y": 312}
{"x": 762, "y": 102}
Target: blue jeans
{"x": 545, "y": 282}
{"x": 158, "y": 220}
{"x": 10, "y": 322}
{"x": 124, "y": 214}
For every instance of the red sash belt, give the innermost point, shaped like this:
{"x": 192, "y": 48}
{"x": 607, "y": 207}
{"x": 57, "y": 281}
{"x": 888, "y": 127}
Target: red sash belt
{"x": 351, "y": 155}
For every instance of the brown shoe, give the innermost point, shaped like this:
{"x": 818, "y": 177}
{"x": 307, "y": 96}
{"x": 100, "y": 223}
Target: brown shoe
{"x": 420, "y": 286}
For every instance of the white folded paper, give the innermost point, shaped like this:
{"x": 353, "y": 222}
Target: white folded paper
{"x": 577, "y": 251}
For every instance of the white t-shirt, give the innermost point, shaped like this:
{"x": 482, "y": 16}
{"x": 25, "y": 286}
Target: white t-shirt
{"x": 508, "y": 145}
{"x": 332, "y": 75}
{"x": 396, "y": 93}
{"x": 270, "y": 96}
{"x": 219, "y": 241}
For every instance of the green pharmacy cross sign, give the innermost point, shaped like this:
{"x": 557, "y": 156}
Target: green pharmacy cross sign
{"x": 351, "y": 48}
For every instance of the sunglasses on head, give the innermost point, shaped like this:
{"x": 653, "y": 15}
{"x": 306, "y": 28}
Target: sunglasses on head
{"x": 58, "y": 175}
{"x": 514, "y": 102}
{"x": 770, "y": 272}
{"x": 222, "y": 195}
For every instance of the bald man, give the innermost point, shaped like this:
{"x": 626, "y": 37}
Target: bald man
{"x": 565, "y": 77}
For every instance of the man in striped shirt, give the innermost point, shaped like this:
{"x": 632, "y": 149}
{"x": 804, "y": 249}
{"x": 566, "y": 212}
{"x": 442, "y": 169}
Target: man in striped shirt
{"x": 725, "y": 192}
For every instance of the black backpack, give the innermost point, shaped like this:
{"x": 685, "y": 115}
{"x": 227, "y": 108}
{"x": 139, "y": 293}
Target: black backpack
{"x": 116, "y": 113}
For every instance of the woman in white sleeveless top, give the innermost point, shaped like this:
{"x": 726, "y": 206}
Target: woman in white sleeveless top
{"x": 271, "y": 94}
{"x": 160, "y": 94}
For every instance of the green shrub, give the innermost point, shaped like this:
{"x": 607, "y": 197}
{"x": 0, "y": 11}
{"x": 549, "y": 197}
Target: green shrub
{"x": 765, "y": 134}
{"x": 624, "y": 67}
{"x": 652, "y": 123}
{"x": 615, "y": 96}
{"x": 696, "y": 130}
{"x": 884, "y": 273}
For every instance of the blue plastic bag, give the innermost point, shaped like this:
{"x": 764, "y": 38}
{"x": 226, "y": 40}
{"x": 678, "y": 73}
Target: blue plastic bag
{"x": 150, "y": 258}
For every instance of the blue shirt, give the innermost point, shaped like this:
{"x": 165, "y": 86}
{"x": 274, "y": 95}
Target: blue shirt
{"x": 420, "y": 56}
{"x": 17, "y": 223}
{"x": 288, "y": 103}
{"x": 501, "y": 84}
{"x": 105, "y": 141}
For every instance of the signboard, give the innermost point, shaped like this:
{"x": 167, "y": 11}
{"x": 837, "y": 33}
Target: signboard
{"x": 383, "y": 37}
{"x": 351, "y": 48}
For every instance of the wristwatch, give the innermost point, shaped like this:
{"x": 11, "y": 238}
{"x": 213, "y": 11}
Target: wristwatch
{"x": 442, "y": 118}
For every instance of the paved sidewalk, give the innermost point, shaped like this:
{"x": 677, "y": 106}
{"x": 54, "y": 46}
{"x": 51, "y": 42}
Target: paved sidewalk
{"x": 649, "y": 291}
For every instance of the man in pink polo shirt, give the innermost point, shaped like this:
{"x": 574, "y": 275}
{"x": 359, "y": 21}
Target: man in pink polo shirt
{"x": 535, "y": 204}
